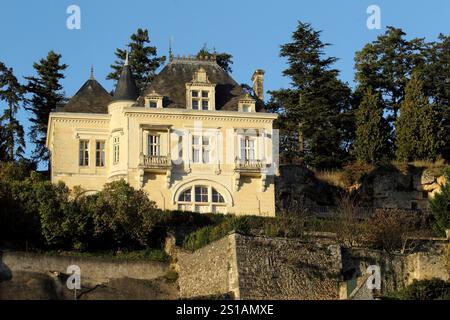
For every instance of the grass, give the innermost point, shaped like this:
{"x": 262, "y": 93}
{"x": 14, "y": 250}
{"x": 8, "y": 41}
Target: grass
{"x": 332, "y": 177}
{"x": 138, "y": 255}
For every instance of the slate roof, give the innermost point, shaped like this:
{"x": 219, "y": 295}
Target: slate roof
{"x": 171, "y": 84}
{"x": 126, "y": 86}
{"x": 91, "y": 98}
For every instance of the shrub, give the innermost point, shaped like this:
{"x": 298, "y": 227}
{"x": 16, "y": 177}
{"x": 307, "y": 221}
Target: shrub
{"x": 282, "y": 226}
{"x": 387, "y": 229}
{"x": 348, "y": 226}
{"x": 433, "y": 289}
{"x": 440, "y": 207}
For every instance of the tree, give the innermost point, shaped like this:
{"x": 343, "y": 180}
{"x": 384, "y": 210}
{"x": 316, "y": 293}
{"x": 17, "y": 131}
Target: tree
{"x": 387, "y": 64}
{"x": 437, "y": 82}
{"x": 12, "y": 142}
{"x": 418, "y": 132}
{"x": 224, "y": 60}
{"x": 318, "y": 104}
{"x": 143, "y": 60}
{"x": 46, "y": 95}
{"x": 440, "y": 207}
{"x": 372, "y": 130}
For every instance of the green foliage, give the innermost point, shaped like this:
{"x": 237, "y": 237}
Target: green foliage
{"x": 386, "y": 64}
{"x": 418, "y": 133}
{"x": 433, "y": 289}
{"x": 372, "y": 131}
{"x": 47, "y": 94}
{"x": 440, "y": 207}
{"x": 282, "y": 226}
{"x": 143, "y": 59}
{"x": 318, "y": 104}
{"x": 12, "y": 142}
{"x": 223, "y": 59}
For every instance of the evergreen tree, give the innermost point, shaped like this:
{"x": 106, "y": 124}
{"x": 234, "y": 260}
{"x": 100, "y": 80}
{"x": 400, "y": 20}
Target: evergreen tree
{"x": 440, "y": 206}
{"x": 12, "y": 142}
{"x": 418, "y": 132}
{"x": 224, "y": 60}
{"x": 437, "y": 83}
{"x": 386, "y": 65}
{"x": 46, "y": 95}
{"x": 318, "y": 103}
{"x": 143, "y": 60}
{"x": 372, "y": 130}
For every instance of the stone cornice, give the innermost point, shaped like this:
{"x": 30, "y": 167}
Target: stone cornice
{"x": 188, "y": 114}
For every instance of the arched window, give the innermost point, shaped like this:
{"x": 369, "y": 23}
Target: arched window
{"x": 201, "y": 198}
{"x": 185, "y": 196}
{"x": 217, "y": 197}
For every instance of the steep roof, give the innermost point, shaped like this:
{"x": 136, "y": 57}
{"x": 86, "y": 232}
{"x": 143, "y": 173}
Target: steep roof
{"x": 91, "y": 98}
{"x": 126, "y": 86}
{"x": 171, "y": 84}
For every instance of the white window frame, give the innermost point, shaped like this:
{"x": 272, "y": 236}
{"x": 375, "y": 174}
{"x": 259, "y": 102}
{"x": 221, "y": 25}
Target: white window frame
{"x": 116, "y": 150}
{"x": 245, "y": 149}
{"x": 83, "y": 153}
{"x": 153, "y": 147}
{"x": 195, "y": 205}
{"x": 201, "y": 148}
{"x": 100, "y": 153}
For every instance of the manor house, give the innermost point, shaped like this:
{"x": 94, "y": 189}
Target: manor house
{"x": 194, "y": 140}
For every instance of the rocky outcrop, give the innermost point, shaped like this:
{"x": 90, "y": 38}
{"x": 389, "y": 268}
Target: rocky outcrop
{"x": 389, "y": 187}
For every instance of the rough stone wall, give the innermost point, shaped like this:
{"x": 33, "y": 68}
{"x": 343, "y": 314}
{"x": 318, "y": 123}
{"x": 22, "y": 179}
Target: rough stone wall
{"x": 93, "y": 270}
{"x": 275, "y": 268}
{"x": 205, "y": 271}
{"x": 261, "y": 268}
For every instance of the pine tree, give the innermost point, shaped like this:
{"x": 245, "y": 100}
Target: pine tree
{"x": 223, "y": 59}
{"x": 372, "y": 130}
{"x": 143, "y": 60}
{"x": 418, "y": 132}
{"x": 318, "y": 103}
{"x": 12, "y": 134}
{"x": 46, "y": 95}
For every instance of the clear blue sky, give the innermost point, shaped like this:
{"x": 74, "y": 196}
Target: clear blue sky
{"x": 251, "y": 31}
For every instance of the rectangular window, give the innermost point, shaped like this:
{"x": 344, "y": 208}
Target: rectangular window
{"x": 205, "y": 105}
{"x": 116, "y": 150}
{"x": 200, "y": 149}
{"x": 84, "y": 152}
{"x": 194, "y": 104}
{"x": 153, "y": 145}
{"x": 247, "y": 149}
{"x": 201, "y": 194}
{"x": 194, "y": 94}
{"x": 153, "y": 104}
{"x": 205, "y": 94}
{"x": 245, "y": 108}
{"x": 100, "y": 153}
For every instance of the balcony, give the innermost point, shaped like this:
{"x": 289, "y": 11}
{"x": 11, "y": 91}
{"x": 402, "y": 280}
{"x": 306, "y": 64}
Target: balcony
{"x": 249, "y": 166}
{"x": 155, "y": 163}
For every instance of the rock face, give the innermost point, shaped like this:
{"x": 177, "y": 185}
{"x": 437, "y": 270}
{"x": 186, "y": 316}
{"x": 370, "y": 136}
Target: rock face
{"x": 409, "y": 189}
{"x": 297, "y": 188}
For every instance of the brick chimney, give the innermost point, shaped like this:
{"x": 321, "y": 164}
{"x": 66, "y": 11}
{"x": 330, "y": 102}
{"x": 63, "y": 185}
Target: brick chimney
{"x": 258, "y": 83}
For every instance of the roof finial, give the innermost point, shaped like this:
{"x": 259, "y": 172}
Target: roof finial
{"x": 126, "y": 58}
{"x": 92, "y": 72}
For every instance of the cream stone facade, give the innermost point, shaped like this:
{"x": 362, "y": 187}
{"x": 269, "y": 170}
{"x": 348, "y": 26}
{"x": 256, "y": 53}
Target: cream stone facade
{"x": 194, "y": 140}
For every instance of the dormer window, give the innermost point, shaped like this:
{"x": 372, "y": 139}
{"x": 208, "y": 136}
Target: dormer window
{"x": 246, "y": 104}
{"x": 200, "y": 92}
{"x": 154, "y": 100}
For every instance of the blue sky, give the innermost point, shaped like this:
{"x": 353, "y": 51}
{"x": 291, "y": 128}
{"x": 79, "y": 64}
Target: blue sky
{"x": 251, "y": 31}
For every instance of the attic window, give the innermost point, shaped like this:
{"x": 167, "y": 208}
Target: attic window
{"x": 154, "y": 100}
{"x": 245, "y": 108}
